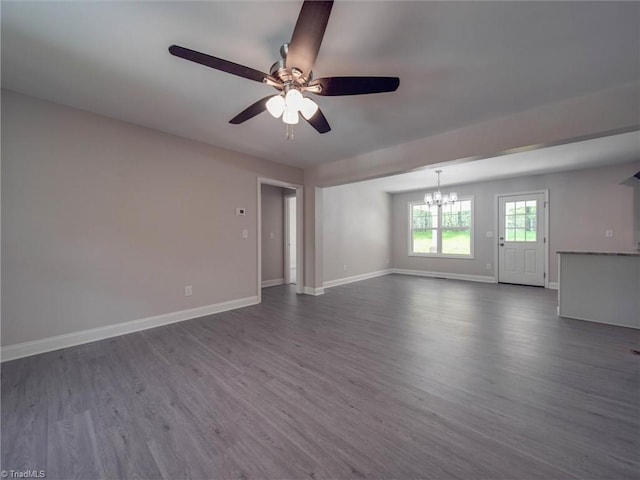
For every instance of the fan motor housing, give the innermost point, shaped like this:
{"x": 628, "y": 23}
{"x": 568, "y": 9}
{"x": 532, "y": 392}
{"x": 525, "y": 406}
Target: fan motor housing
{"x": 280, "y": 72}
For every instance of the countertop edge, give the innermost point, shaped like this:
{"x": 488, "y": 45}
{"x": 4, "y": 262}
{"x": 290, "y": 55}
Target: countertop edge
{"x": 612, "y": 254}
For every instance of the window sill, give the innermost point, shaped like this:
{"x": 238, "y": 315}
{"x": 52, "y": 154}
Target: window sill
{"x": 438, "y": 255}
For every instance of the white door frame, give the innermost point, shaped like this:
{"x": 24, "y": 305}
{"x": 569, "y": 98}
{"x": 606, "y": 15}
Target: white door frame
{"x": 496, "y": 237}
{"x": 299, "y": 225}
{"x": 287, "y": 245}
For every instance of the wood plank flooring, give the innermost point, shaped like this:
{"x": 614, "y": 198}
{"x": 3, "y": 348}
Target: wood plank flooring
{"x": 394, "y": 377}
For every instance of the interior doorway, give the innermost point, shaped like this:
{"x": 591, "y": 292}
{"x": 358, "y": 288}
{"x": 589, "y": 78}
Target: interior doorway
{"x": 290, "y": 240}
{"x": 522, "y": 238}
{"x": 289, "y": 237}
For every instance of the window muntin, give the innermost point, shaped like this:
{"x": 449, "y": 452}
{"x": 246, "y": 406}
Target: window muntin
{"x": 521, "y": 221}
{"x": 441, "y": 231}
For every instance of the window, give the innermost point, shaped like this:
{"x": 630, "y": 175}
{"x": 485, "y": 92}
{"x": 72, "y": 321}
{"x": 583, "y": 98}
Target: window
{"x": 441, "y": 231}
{"x": 521, "y": 221}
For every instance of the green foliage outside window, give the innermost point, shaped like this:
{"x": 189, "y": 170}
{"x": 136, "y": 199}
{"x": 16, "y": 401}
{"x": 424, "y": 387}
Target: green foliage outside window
{"x": 442, "y": 230}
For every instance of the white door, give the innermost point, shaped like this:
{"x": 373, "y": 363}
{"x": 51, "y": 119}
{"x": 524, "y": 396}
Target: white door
{"x": 290, "y": 253}
{"x": 521, "y": 239}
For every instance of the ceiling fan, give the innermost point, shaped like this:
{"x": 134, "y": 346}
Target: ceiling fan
{"x": 292, "y": 76}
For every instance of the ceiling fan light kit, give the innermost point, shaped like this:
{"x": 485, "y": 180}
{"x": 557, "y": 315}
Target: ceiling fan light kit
{"x": 292, "y": 75}
{"x": 290, "y": 105}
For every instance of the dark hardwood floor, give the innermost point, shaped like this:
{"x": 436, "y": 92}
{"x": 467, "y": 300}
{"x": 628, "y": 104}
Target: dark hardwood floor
{"x": 394, "y": 377}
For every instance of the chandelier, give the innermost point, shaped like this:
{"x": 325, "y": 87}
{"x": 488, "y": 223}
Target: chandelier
{"x": 438, "y": 198}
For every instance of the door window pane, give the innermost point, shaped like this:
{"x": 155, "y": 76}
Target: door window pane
{"x": 510, "y": 208}
{"x": 521, "y": 221}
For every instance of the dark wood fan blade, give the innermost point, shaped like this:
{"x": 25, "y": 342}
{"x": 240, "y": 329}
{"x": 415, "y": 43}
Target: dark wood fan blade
{"x": 250, "y": 112}
{"x": 319, "y": 122}
{"x": 218, "y": 63}
{"x": 334, "y": 86}
{"x": 307, "y": 35}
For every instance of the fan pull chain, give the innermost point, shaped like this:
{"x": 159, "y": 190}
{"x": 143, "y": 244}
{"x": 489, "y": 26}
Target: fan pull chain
{"x": 289, "y": 135}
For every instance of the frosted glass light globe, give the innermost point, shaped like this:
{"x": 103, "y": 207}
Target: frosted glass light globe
{"x": 294, "y": 99}
{"x": 275, "y": 105}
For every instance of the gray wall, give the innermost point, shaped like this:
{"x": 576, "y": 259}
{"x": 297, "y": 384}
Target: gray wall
{"x": 105, "y": 222}
{"x": 356, "y": 231}
{"x": 583, "y": 204}
{"x": 272, "y": 225}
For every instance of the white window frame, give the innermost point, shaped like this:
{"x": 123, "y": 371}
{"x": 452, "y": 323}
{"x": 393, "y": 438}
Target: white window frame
{"x": 439, "y": 232}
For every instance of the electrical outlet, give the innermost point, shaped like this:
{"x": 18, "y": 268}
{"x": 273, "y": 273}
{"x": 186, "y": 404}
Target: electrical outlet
{"x": 245, "y": 233}
{"x": 608, "y": 233}
{"x": 489, "y": 234}
{"x": 188, "y": 290}
{"x": 488, "y": 266}
{"x": 344, "y": 267}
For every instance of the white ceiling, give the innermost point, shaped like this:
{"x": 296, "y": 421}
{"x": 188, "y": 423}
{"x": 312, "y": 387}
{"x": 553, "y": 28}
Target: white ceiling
{"x": 597, "y": 152}
{"x": 458, "y": 63}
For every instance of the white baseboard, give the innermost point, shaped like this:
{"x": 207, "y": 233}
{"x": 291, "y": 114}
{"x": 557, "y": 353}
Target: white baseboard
{"x": 19, "y": 350}
{"x": 450, "y": 276}
{"x": 553, "y": 285}
{"x": 313, "y": 291}
{"x": 356, "y": 278}
{"x": 272, "y": 283}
